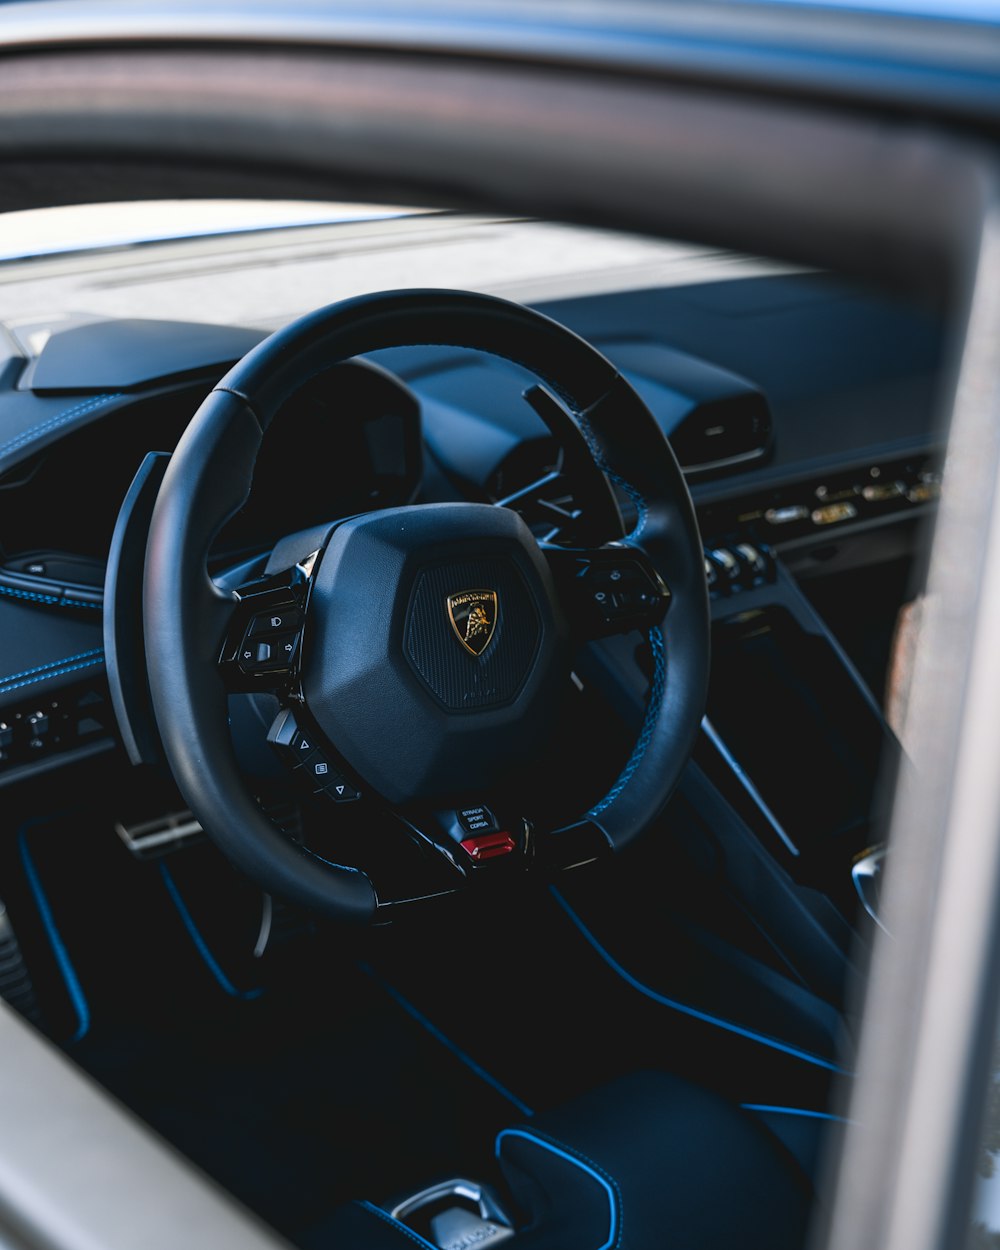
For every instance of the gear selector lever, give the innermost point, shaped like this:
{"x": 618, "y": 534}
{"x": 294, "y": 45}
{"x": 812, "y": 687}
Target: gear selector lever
{"x": 456, "y": 1215}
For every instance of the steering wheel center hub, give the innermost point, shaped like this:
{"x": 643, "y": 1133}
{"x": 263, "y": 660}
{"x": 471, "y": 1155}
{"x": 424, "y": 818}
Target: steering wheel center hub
{"x": 435, "y": 650}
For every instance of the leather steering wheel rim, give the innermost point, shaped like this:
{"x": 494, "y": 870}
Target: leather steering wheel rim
{"x": 209, "y": 477}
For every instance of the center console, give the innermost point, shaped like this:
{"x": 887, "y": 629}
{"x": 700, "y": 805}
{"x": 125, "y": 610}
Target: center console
{"x": 761, "y": 879}
{"x": 793, "y": 735}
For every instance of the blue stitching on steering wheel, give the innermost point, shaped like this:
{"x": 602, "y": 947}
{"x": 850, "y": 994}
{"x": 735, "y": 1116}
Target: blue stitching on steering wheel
{"x": 641, "y": 506}
{"x": 655, "y": 635}
{"x": 652, "y": 706}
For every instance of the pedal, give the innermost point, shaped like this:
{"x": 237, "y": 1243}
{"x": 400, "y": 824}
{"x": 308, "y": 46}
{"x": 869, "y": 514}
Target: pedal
{"x": 149, "y": 839}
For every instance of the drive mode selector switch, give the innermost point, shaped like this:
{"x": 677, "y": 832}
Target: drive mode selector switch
{"x": 477, "y": 819}
{"x": 484, "y": 836}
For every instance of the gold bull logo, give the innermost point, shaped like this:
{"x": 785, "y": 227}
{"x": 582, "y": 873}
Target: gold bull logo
{"x": 473, "y": 616}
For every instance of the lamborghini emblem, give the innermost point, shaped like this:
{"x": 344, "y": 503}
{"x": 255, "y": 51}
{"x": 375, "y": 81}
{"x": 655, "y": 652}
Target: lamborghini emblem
{"x": 473, "y": 616}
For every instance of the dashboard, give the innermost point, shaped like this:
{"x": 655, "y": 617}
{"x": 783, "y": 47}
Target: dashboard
{"x": 804, "y": 412}
{"x": 859, "y": 436}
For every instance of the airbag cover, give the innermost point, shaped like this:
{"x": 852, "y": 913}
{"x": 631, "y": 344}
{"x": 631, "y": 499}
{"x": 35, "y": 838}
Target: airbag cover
{"x": 421, "y": 703}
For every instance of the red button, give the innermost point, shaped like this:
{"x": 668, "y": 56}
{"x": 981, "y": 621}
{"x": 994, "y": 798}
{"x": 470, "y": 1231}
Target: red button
{"x": 489, "y": 846}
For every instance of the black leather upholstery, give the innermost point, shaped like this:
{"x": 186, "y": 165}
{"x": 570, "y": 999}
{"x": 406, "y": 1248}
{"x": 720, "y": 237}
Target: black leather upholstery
{"x": 646, "y": 1163}
{"x": 652, "y": 1161}
{"x": 361, "y": 1226}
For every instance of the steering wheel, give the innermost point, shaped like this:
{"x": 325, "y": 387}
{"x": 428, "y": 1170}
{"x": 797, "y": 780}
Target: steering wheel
{"x": 419, "y": 653}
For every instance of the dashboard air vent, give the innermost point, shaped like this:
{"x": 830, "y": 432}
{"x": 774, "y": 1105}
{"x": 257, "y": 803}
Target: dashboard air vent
{"x": 716, "y": 420}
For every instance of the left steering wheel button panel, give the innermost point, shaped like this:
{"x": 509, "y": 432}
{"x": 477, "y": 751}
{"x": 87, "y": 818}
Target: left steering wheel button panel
{"x": 262, "y": 644}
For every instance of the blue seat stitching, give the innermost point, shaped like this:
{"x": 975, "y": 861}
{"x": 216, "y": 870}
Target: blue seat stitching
{"x": 577, "y": 1157}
